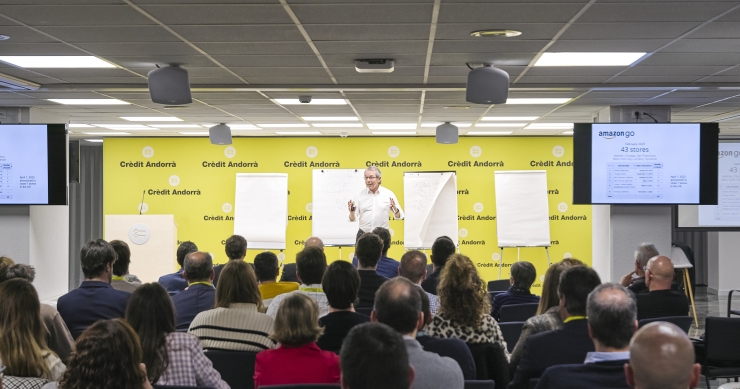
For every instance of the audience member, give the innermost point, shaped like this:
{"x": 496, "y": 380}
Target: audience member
{"x": 548, "y": 312}
{"x": 612, "y": 320}
{"x": 56, "y": 332}
{"x": 289, "y": 269}
{"x": 175, "y": 282}
{"x": 569, "y": 344}
{"x": 522, "y": 277}
{"x": 200, "y": 293}
{"x": 414, "y": 267}
{"x": 445, "y": 347}
{"x": 662, "y": 357}
{"x": 171, "y": 358}
{"x": 374, "y": 356}
{"x": 236, "y": 322}
{"x": 464, "y": 306}
{"x": 266, "y": 269}
{"x": 341, "y": 284}
{"x": 398, "y": 305}
{"x": 442, "y": 248}
{"x": 368, "y": 250}
{"x": 635, "y": 280}
{"x": 298, "y": 360}
{"x": 387, "y": 267}
{"x": 236, "y": 250}
{"x": 5, "y": 262}
{"x": 660, "y": 300}
{"x": 23, "y": 349}
{"x": 95, "y": 299}
{"x": 311, "y": 265}
{"x": 107, "y": 355}
{"x": 120, "y": 267}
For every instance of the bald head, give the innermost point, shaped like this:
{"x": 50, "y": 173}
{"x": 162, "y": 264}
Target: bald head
{"x": 413, "y": 266}
{"x": 661, "y": 356}
{"x": 198, "y": 266}
{"x": 660, "y": 273}
{"x": 398, "y": 304}
{"x": 314, "y": 241}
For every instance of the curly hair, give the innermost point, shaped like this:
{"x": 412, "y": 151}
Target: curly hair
{"x": 462, "y": 293}
{"x": 151, "y": 314}
{"x": 107, "y": 355}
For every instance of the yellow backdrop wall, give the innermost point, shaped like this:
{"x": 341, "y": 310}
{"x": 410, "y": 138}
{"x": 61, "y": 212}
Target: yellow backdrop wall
{"x": 195, "y": 181}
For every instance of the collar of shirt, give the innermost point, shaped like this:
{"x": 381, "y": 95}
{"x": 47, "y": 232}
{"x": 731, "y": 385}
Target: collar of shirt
{"x": 94, "y": 284}
{"x": 245, "y": 306}
{"x": 118, "y": 278}
{"x": 574, "y": 318}
{"x": 200, "y": 283}
{"x": 377, "y": 192}
{"x": 600, "y": 356}
{"x": 517, "y": 289}
{"x": 311, "y": 288}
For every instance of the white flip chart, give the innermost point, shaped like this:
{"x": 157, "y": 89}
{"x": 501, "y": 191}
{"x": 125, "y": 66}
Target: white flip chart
{"x": 332, "y": 189}
{"x": 522, "y": 214}
{"x": 431, "y": 207}
{"x": 261, "y": 209}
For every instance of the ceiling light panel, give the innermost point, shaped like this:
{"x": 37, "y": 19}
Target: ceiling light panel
{"x": 550, "y": 100}
{"x": 394, "y": 132}
{"x": 151, "y": 119}
{"x": 194, "y": 133}
{"x": 184, "y": 125}
{"x": 509, "y": 118}
{"x": 106, "y": 133}
{"x": 313, "y": 102}
{"x": 126, "y": 127}
{"x": 89, "y": 101}
{"x": 78, "y": 125}
{"x": 56, "y": 61}
{"x": 500, "y": 125}
{"x": 588, "y": 59}
{"x": 298, "y": 132}
{"x": 489, "y": 132}
{"x": 284, "y": 125}
{"x": 330, "y": 118}
{"x": 243, "y": 127}
{"x": 549, "y": 126}
{"x": 94, "y": 140}
{"x": 337, "y": 125}
{"x": 391, "y": 126}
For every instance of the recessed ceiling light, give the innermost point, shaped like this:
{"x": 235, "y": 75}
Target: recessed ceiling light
{"x": 588, "y": 59}
{"x": 298, "y": 132}
{"x": 505, "y": 125}
{"x": 78, "y": 125}
{"x": 89, "y": 101}
{"x": 336, "y": 125}
{"x": 435, "y": 124}
{"x": 284, "y": 125}
{"x": 394, "y": 132}
{"x": 390, "y": 126}
{"x": 313, "y": 102}
{"x": 56, "y": 61}
{"x": 106, "y": 133}
{"x": 200, "y": 133}
{"x": 568, "y": 133}
{"x": 508, "y": 118}
{"x": 456, "y": 107}
{"x": 94, "y": 140}
{"x": 489, "y": 132}
{"x": 549, "y": 126}
{"x": 151, "y": 119}
{"x": 175, "y": 125}
{"x": 4, "y": 37}
{"x": 495, "y": 33}
{"x": 550, "y": 100}
{"x": 242, "y": 126}
{"x": 126, "y": 127}
{"x": 330, "y": 118}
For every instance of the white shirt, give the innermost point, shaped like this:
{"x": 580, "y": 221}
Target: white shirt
{"x": 313, "y": 291}
{"x": 373, "y": 208}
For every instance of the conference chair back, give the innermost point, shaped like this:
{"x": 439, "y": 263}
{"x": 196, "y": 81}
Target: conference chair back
{"x": 235, "y": 367}
{"x": 490, "y": 363}
{"x": 683, "y": 322}
{"x": 483, "y": 384}
{"x": 302, "y": 386}
{"x": 511, "y": 332}
{"x": 722, "y": 345}
{"x": 498, "y": 285}
{"x": 518, "y": 312}
{"x": 731, "y": 311}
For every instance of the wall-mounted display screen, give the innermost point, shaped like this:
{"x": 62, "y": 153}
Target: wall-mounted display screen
{"x": 33, "y": 164}
{"x": 645, "y": 163}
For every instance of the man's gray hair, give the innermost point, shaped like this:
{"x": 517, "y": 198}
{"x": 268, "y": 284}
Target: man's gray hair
{"x": 612, "y": 312}
{"x": 377, "y": 171}
{"x": 198, "y": 266}
{"x": 644, "y": 252}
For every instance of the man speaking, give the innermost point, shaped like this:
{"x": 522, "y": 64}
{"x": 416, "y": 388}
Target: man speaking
{"x": 373, "y": 204}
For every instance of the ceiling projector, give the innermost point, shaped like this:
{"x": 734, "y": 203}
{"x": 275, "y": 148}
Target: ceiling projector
{"x": 220, "y": 134}
{"x": 447, "y": 133}
{"x": 374, "y": 65}
{"x": 487, "y": 85}
{"x": 169, "y": 85}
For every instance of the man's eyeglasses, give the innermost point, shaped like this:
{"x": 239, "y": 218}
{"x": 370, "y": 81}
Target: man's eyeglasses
{"x": 370, "y": 178}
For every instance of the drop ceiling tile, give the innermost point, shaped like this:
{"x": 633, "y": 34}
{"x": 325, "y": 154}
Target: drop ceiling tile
{"x": 492, "y": 12}
{"x": 241, "y": 48}
{"x": 139, "y": 49}
{"x": 38, "y": 49}
{"x": 345, "y": 60}
{"x": 363, "y": 49}
{"x": 447, "y": 80}
{"x": 219, "y": 14}
{"x": 363, "y": 13}
{"x": 489, "y": 46}
{"x": 722, "y": 79}
{"x": 695, "y": 11}
{"x": 627, "y": 30}
{"x": 530, "y": 31}
{"x": 653, "y": 79}
{"x": 280, "y": 72}
{"x": 574, "y": 71}
{"x": 289, "y": 80}
{"x": 378, "y": 79}
{"x": 527, "y": 79}
{"x": 704, "y": 46}
{"x": 367, "y": 32}
{"x": 698, "y": 71}
{"x": 399, "y": 71}
{"x": 76, "y": 15}
{"x": 625, "y": 45}
{"x": 238, "y": 61}
{"x": 692, "y": 59}
{"x": 248, "y": 33}
{"x": 106, "y": 34}
{"x": 151, "y": 61}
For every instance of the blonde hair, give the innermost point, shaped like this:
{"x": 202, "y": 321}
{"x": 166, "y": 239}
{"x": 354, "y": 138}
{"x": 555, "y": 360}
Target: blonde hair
{"x": 6, "y": 262}
{"x": 462, "y": 293}
{"x": 238, "y": 284}
{"x": 550, "y": 296}
{"x": 297, "y": 321}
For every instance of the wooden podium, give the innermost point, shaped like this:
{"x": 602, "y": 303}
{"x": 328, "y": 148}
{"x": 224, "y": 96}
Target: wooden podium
{"x": 152, "y": 240}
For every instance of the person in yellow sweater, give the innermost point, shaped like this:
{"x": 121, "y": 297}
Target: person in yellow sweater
{"x": 266, "y": 268}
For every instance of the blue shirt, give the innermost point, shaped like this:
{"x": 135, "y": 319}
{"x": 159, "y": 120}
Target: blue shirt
{"x": 92, "y": 301}
{"x": 387, "y": 267}
{"x": 512, "y": 296}
{"x": 192, "y": 301}
{"x": 174, "y": 282}
{"x": 597, "y": 356}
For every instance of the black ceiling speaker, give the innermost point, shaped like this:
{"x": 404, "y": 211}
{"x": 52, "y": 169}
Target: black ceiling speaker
{"x": 487, "y": 85}
{"x": 220, "y": 134}
{"x": 169, "y": 85}
{"x": 447, "y": 133}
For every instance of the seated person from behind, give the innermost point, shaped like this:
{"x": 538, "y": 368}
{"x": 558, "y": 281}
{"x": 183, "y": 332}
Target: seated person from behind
{"x": 522, "y": 277}
{"x": 414, "y": 267}
{"x": 310, "y": 268}
{"x": 236, "y": 250}
{"x": 612, "y": 320}
{"x": 289, "y": 269}
{"x": 95, "y": 299}
{"x": 635, "y": 280}
{"x": 175, "y": 282}
{"x": 369, "y": 249}
{"x": 371, "y": 348}
{"x": 398, "y": 305}
{"x": 266, "y": 269}
{"x": 660, "y": 300}
{"x": 569, "y": 344}
{"x": 120, "y": 268}
{"x": 298, "y": 360}
{"x": 387, "y": 267}
{"x": 341, "y": 284}
{"x": 200, "y": 294}
{"x": 442, "y": 248}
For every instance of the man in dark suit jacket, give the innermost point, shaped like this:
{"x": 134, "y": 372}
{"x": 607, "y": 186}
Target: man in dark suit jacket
{"x": 660, "y": 301}
{"x": 368, "y": 250}
{"x": 175, "y": 283}
{"x": 442, "y": 248}
{"x": 200, "y": 295}
{"x": 569, "y": 344}
{"x": 289, "y": 269}
{"x": 95, "y": 299}
{"x": 612, "y": 320}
